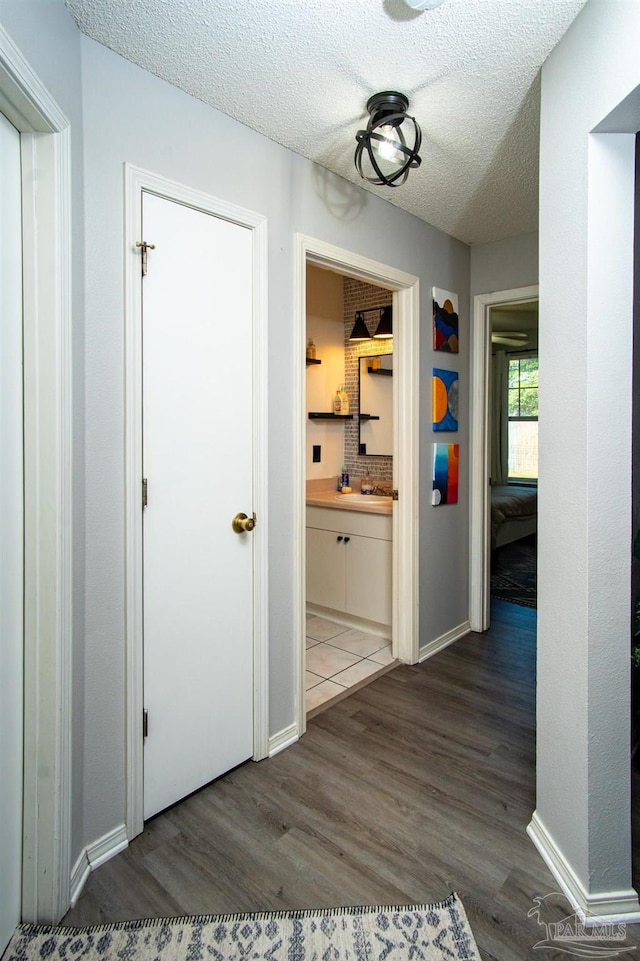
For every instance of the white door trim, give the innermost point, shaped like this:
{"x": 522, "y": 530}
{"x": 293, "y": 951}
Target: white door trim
{"x": 137, "y": 180}
{"x": 48, "y": 484}
{"x": 406, "y": 306}
{"x": 480, "y": 506}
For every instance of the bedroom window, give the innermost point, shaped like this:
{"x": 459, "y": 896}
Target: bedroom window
{"x": 523, "y": 417}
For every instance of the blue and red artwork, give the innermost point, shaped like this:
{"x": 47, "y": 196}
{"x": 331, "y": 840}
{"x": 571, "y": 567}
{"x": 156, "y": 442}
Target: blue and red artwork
{"x": 445, "y": 321}
{"x": 445, "y": 474}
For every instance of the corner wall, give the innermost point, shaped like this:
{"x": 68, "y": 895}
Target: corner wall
{"x": 582, "y": 824}
{"x": 504, "y": 265}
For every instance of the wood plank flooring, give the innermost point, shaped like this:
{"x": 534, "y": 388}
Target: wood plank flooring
{"x": 419, "y": 784}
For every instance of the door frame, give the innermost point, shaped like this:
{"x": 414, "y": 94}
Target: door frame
{"x": 406, "y": 312}
{"x": 45, "y": 137}
{"x": 480, "y": 501}
{"x": 138, "y": 180}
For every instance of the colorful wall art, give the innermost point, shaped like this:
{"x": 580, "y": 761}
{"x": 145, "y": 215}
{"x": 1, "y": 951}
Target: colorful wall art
{"x": 445, "y": 399}
{"x": 445, "y": 474}
{"x": 445, "y": 321}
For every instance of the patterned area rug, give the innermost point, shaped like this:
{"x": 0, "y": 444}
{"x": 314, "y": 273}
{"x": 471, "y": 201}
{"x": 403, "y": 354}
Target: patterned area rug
{"x": 514, "y": 573}
{"x": 433, "y": 932}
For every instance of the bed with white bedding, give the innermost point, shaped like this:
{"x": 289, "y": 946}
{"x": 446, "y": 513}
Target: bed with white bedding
{"x": 514, "y": 513}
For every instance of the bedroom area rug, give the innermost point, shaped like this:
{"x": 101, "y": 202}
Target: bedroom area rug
{"x": 432, "y": 932}
{"x": 514, "y": 573}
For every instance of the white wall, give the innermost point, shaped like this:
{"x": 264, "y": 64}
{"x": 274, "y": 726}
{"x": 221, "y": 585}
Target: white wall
{"x": 49, "y": 40}
{"x": 325, "y": 323}
{"x": 11, "y": 531}
{"x": 586, "y": 218}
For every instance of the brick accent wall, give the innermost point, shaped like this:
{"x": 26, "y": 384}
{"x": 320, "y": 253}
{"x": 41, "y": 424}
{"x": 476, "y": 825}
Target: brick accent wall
{"x": 360, "y": 296}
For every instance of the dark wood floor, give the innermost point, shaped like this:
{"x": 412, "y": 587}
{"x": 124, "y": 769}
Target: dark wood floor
{"x": 418, "y": 785}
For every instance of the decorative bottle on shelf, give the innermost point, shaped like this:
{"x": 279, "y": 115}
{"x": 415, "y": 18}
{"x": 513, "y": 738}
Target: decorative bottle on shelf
{"x": 311, "y": 350}
{"x": 337, "y": 402}
{"x": 344, "y": 397}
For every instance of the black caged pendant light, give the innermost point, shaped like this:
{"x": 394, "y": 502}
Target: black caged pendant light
{"x": 383, "y": 155}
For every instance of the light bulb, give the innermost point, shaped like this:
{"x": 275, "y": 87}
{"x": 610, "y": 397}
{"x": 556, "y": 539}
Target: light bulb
{"x": 423, "y": 4}
{"x": 386, "y": 148}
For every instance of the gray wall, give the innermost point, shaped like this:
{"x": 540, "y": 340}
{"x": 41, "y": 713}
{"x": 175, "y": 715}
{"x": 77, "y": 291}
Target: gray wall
{"x": 120, "y": 113}
{"x": 130, "y": 115}
{"x": 504, "y": 265}
{"x": 584, "y": 539}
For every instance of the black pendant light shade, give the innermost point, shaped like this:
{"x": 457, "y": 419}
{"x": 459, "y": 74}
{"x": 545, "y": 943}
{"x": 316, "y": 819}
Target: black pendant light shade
{"x": 383, "y": 154}
{"x": 384, "y": 329}
{"x": 360, "y": 331}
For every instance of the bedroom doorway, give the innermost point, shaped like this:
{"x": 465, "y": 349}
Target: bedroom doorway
{"x": 513, "y": 441}
{"x": 503, "y": 447}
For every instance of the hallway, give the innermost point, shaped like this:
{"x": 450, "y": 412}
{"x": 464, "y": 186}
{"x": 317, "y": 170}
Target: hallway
{"x": 418, "y": 784}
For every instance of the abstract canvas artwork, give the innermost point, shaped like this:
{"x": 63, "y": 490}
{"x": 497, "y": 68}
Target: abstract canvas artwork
{"x": 445, "y": 321}
{"x": 445, "y": 474}
{"x": 445, "y": 399}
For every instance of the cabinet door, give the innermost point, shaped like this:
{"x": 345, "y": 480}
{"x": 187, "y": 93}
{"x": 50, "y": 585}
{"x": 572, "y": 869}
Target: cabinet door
{"x": 368, "y": 578}
{"x": 325, "y": 569}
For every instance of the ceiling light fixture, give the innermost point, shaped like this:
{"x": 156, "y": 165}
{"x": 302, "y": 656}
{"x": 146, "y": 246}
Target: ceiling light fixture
{"x": 384, "y": 142}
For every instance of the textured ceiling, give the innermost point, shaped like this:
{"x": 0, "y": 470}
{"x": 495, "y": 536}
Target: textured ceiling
{"x": 302, "y": 72}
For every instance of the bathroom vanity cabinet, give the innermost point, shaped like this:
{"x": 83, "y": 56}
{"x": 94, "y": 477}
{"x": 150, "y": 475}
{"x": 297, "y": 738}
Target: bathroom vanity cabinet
{"x": 349, "y": 563}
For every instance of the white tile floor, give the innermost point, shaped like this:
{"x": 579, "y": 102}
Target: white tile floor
{"x": 339, "y": 657}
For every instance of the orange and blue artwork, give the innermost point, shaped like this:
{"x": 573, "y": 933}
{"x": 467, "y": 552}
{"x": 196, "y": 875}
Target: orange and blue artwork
{"x": 445, "y": 399}
{"x": 445, "y": 321}
{"x": 445, "y": 474}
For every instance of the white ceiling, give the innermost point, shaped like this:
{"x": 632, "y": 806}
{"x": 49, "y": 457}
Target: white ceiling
{"x": 301, "y": 73}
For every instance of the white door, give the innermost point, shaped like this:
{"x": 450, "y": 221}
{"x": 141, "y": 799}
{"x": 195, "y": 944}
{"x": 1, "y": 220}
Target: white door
{"x": 197, "y": 459}
{"x": 11, "y": 531}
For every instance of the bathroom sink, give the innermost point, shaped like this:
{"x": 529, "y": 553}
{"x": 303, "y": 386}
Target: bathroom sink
{"x": 365, "y": 498}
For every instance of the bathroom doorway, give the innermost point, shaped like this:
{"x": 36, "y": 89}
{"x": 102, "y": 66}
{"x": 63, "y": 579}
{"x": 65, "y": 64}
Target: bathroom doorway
{"x": 377, "y": 286}
{"x": 349, "y": 484}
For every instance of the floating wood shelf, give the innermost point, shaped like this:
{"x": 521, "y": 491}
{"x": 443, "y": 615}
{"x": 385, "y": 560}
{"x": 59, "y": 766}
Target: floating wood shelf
{"x": 380, "y": 370}
{"x": 313, "y": 360}
{"x": 328, "y": 415}
{"x": 369, "y": 417}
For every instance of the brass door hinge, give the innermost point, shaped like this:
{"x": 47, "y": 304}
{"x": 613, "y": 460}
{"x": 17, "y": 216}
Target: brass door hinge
{"x": 144, "y": 247}
{"x": 394, "y": 495}
{"x": 145, "y": 723}
{"x": 145, "y": 492}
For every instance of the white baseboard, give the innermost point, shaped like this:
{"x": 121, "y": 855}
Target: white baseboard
{"x": 94, "y": 855}
{"x": 439, "y": 644}
{"x": 79, "y": 874}
{"x": 612, "y": 907}
{"x": 350, "y": 620}
{"x": 283, "y": 739}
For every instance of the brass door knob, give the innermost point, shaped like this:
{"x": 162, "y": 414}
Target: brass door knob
{"x": 241, "y": 523}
